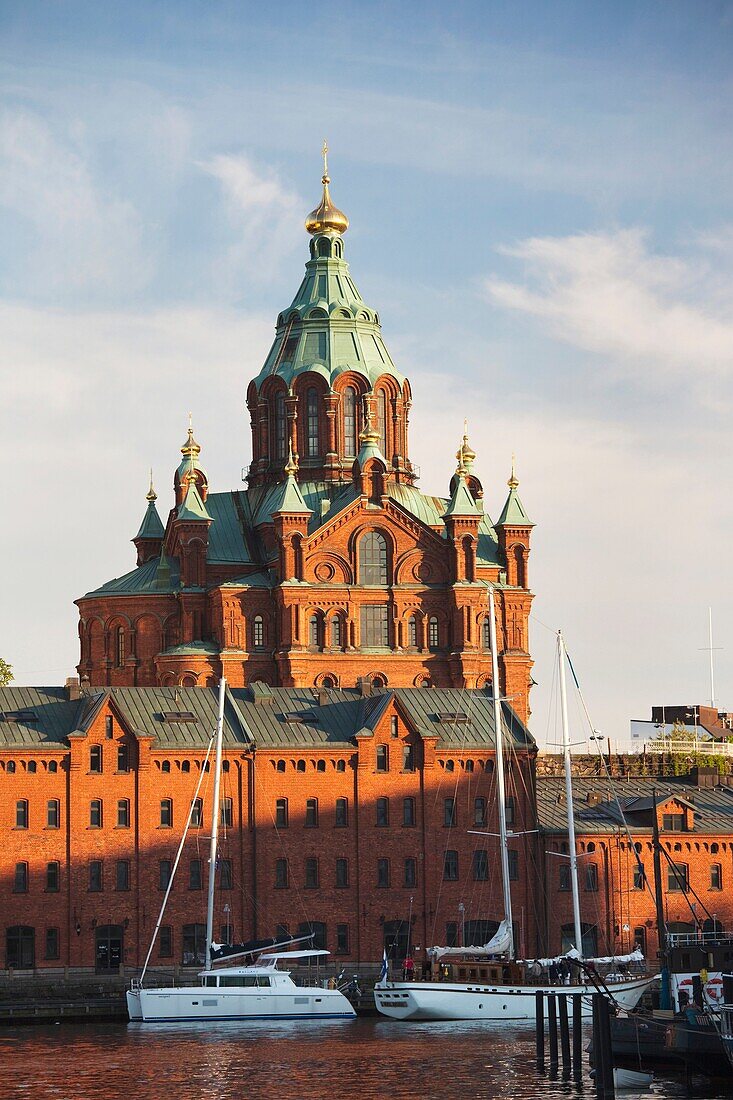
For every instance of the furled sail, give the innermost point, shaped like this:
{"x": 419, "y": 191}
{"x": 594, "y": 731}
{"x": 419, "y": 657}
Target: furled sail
{"x": 499, "y": 944}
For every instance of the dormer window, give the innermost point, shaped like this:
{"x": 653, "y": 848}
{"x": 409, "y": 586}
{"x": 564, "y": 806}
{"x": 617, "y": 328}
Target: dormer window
{"x": 674, "y": 822}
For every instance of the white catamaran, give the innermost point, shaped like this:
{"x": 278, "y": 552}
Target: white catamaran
{"x": 499, "y": 987}
{"x": 259, "y": 991}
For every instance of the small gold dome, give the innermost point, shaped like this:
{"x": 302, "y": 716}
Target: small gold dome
{"x": 190, "y": 447}
{"x": 151, "y": 494}
{"x": 326, "y": 218}
{"x": 513, "y": 481}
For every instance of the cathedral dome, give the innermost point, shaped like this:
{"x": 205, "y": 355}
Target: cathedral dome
{"x": 326, "y": 218}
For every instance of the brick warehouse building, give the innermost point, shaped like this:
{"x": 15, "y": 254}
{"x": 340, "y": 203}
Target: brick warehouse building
{"x": 348, "y": 611}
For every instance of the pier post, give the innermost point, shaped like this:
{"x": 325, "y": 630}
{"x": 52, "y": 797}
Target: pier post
{"x": 562, "y": 1005}
{"x": 552, "y": 1031}
{"x": 604, "y": 1029}
{"x": 577, "y": 1037}
{"x": 539, "y": 1001}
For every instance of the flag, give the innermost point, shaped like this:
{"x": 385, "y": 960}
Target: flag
{"x": 383, "y": 973}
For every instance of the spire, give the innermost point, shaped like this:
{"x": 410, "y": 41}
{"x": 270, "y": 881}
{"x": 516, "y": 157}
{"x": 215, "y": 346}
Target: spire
{"x": 513, "y": 513}
{"x": 151, "y": 526}
{"x": 461, "y": 502}
{"x": 326, "y": 218}
{"x": 151, "y": 496}
{"x": 193, "y": 507}
{"x": 369, "y": 440}
{"x": 190, "y": 447}
{"x": 190, "y": 467}
{"x": 513, "y": 481}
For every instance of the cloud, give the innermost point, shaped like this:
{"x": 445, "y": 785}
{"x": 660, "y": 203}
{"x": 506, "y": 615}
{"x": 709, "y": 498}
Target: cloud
{"x": 260, "y": 207}
{"x": 610, "y": 294}
{"x": 76, "y": 236}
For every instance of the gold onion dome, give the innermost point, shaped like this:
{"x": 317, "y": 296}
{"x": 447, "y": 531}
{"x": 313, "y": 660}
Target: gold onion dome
{"x": 326, "y": 218}
{"x": 190, "y": 447}
{"x": 151, "y": 494}
{"x": 369, "y": 434}
{"x": 465, "y": 454}
{"x": 513, "y": 481}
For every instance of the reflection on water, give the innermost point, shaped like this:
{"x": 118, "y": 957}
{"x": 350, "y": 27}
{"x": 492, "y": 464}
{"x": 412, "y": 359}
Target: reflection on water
{"x": 368, "y": 1059}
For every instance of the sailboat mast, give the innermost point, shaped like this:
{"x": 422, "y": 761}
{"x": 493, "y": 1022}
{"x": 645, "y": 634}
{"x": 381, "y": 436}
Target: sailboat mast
{"x": 500, "y": 788}
{"x": 215, "y": 823}
{"x": 569, "y": 794}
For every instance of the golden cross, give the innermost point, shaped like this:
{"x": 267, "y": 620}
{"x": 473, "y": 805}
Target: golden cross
{"x": 325, "y": 157}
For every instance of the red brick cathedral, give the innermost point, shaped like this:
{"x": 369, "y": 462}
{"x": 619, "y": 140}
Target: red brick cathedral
{"x": 332, "y": 554}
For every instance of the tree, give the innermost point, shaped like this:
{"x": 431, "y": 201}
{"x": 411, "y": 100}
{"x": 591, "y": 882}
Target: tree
{"x": 6, "y": 673}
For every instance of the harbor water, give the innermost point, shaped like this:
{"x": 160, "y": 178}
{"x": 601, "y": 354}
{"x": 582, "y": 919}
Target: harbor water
{"x": 366, "y": 1058}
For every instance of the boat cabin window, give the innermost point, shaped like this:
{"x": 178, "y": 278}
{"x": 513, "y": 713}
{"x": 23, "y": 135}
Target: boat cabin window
{"x": 211, "y": 980}
{"x": 246, "y": 981}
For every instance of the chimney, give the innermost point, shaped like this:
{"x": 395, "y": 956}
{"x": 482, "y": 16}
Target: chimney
{"x": 364, "y": 686}
{"x": 73, "y": 688}
{"x": 593, "y": 798}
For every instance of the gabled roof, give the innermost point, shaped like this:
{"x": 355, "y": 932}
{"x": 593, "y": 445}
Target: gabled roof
{"x": 289, "y": 498}
{"x": 144, "y": 710}
{"x": 461, "y": 502}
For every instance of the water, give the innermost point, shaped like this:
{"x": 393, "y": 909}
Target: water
{"x": 368, "y": 1059}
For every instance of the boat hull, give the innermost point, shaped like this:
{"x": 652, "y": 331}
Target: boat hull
{"x": 453, "y": 1001}
{"x": 194, "y": 1003}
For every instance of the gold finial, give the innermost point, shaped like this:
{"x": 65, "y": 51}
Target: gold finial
{"x": 291, "y": 466}
{"x": 190, "y": 447}
{"x": 369, "y": 434}
{"x": 465, "y": 453}
{"x": 326, "y": 218}
{"x": 513, "y": 481}
{"x": 151, "y": 495}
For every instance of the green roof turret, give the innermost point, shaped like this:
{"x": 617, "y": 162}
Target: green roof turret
{"x": 151, "y": 526}
{"x": 289, "y": 497}
{"x": 513, "y": 513}
{"x": 193, "y": 507}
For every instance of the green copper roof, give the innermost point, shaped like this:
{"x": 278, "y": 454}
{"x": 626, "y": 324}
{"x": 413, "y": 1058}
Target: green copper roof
{"x": 193, "y": 507}
{"x": 151, "y": 526}
{"x": 513, "y": 513}
{"x": 289, "y": 498}
{"x": 149, "y": 578}
{"x": 461, "y": 503}
{"x": 328, "y": 328}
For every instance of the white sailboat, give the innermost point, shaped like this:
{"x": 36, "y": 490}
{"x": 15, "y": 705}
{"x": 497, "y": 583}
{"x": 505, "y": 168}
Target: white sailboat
{"x": 499, "y": 988}
{"x": 259, "y": 991}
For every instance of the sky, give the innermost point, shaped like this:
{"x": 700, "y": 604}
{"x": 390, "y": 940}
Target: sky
{"x": 541, "y": 211}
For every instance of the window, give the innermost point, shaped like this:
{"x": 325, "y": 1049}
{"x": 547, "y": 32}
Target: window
{"x": 123, "y": 813}
{"x": 53, "y": 766}
{"x": 408, "y": 758}
{"x": 225, "y": 874}
{"x": 95, "y": 759}
{"x": 32, "y": 767}
{"x": 640, "y": 939}
{"x": 374, "y": 626}
{"x": 280, "y": 766}
{"x": 258, "y": 632}
{"x": 408, "y": 811}
{"x": 166, "y": 813}
{"x": 412, "y": 632}
{"x": 639, "y": 876}
{"x": 311, "y": 813}
{"x": 282, "y": 874}
{"x": 186, "y": 766}
{"x": 382, "y": 872}
{"x": 510, "y": 811}
{"x": 433, "y": 633}
{"x": 95, "y": 813}
{"x": 382, "y": 758}
{"x": 449, "y": 811}
{"x": 95, "y": 875}
{"x": 564, "y": 876}
{"x": 591, "y": 877}
{"x": 53, "y": 813}
{"x": 410, "y": 872}
{"x": 382, "y": 420}
{"x": 314, "y": 631}
{"x": 342, "y": 939}
{"x": 194, "y": 944}
{"x": 123, "y": 757}
{"x": 342, "y": 872}
{"x": 122, "y": 874}
{"x": 716, "y": 876}
{"x": 451, "y": 934}
{"x": 165, "y": 942}
{"x": 311, "y": 873}
{"x": 281, "y": 813}
{"x": 350, "y": 421}
{"x": 300, "y": 766}
{"x": 479, "y": 811}
{"x": 53, "y": 876}
{"x": 281, "y": 443}
{"x": 20, "y": 882}
{"x": 480, "y": 866}
{"x": 677, "y": 877}
{"x": 225, "y": 813}
{"x": 486, "y": 634}
{"x": 194, "y": 875}
{"x": 450, "y": 866}
{"x": 336, "y": 632}
{"x": 383, "y": 812}
{"x": 120, "y": 646}
{"x": 21, "y": 813}
{"x": 109, "y": 729}
{"x": 450, "y": 765}
{"x": 312, "y": 442}
{"x": 10, "y": 767}
{"x": 373, "y": 558}
{"x": 340, "y": 765}
{"x": 514, "y": 865}
{"x": 52, "y": 943}
{"x": 673, "y": 823}
{"x": 317, "y": 931}
{"x": 342, "y": 813}
{"x": 165, "y": 868}
{"x": 165, "y": 766}
{"x": 197, "y": 814}
{"x": 20, "y": 947}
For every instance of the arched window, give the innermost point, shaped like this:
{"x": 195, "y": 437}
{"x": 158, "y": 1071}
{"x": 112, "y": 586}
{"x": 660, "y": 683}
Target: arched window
{"x": 373, "y": 558}
{"x": 521, "y": 567}
{"x": 258, "y": 632}
{"x": 313, "y": 441}
{"x": 412, "y": 631}
{"x": 281, "y": 765}
{"x": 350, "y": 421}
{"x": 313, "y": 631}
{"x": 486, "y": 633}
{"x": 120, "y": 646}
{"x": 382, "y": 420}
{"x": 336, "y": 641}
{"x": 433, "y": 633}
{"x": 281, "y": 444}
